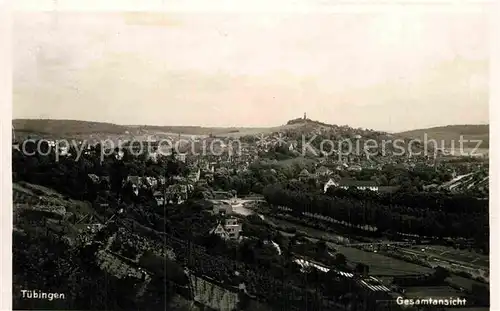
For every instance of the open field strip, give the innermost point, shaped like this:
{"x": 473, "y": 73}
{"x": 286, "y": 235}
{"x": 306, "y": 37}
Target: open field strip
{"x": 378, "y": 263}
{"x": 435, "y": 255}
{"x": 456, "y": 255}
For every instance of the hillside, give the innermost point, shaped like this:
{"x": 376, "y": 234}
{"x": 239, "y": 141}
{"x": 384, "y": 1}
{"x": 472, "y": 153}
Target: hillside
{"x": 294, "y": 132}
{"x": 293, "y": 129}
{"x": 477, "y": 182}
{"x": 53, "y": 129}
{"x": 49, "y": 128}
{"x": 447, "y": 134}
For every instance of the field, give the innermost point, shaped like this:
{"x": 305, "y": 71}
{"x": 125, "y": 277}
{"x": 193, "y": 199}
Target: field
{"x": 99, "y": 130}
{"x": 432, "y": 291}
{"x": 310, "y": 232}
{"x": 379, "y": 264}
{"x": 449, "y": 253}
{"x": 472, "y": 151}
{"x": 27, "y": 193}
{"x": 446, "y": 134}
{"x": 38, "y": 198}
{"x": 463, "y": 282}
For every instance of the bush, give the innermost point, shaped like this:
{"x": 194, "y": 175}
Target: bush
{"x": 163, "y": 267}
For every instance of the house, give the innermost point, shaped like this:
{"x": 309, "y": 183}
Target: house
{"x": 119, "y": 155}
{"x": 208, "y": 176}
{"x": 304, "y": 174}
{"x": 351, "y": 183}
{"x": 328, "y": 184}
{"x": 195, "y": 176}
{"x": 177, "y": 194}
{"x": 180, "y": 157}
{"x": 233, "y": 228}
{"x": 229, "y": 229}
{"x": 159, "y": 197}
{"x": 220, "y": 231}
{"x": 292, "y": 145}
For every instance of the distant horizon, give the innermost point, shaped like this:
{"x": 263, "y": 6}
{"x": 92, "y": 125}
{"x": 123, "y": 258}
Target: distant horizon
{"x": 391, "y": 71}
{"x": 248, "y": 126}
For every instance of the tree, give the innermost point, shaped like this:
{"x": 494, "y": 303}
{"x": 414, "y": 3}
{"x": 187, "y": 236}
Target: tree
{"x": 440, "y": 274}
{"x": 340, "y": 259}
{"x": 118, "y": 174}
{"x": 199, "y": 192}
{"x": 481, "y": 293}
{"x": 362, "y": 269}
{"x": 173, "y": 168}
{"x": 321, "y": 247}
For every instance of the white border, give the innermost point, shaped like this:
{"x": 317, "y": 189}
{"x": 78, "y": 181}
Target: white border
{"x": 5, "y": 158}
{"x": 246, "y": 6}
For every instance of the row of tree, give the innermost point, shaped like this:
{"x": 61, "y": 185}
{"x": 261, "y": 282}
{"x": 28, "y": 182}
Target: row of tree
{"x": 381, "y": 217}
{"x": 451, "y": 204}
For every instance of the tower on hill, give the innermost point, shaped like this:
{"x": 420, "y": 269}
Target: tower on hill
{"x": 305, "y": 116}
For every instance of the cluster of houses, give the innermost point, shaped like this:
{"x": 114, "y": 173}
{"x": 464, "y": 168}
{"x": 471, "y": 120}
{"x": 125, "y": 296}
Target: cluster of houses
{"x": 164, "y": 194}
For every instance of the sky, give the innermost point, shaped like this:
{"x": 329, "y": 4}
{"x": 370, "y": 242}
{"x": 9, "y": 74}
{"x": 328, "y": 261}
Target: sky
{"x": 384, "y": 71}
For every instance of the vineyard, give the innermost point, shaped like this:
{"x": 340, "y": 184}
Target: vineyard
{"x": 258, "y": 282}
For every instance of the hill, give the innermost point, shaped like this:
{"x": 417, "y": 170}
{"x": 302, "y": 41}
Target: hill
{"x": 75, "y": 129}
{"x": 48, "y": 128}
{"x": 476, "y": 182}
{"x": 447, "y": 134}
{"x": 293, "y": 130}
{"x": 56, "y": 237}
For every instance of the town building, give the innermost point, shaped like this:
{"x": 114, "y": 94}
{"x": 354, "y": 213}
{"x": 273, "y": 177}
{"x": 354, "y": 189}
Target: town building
{"x": 304, "y": 174}
{"x": 230, "y": 229}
